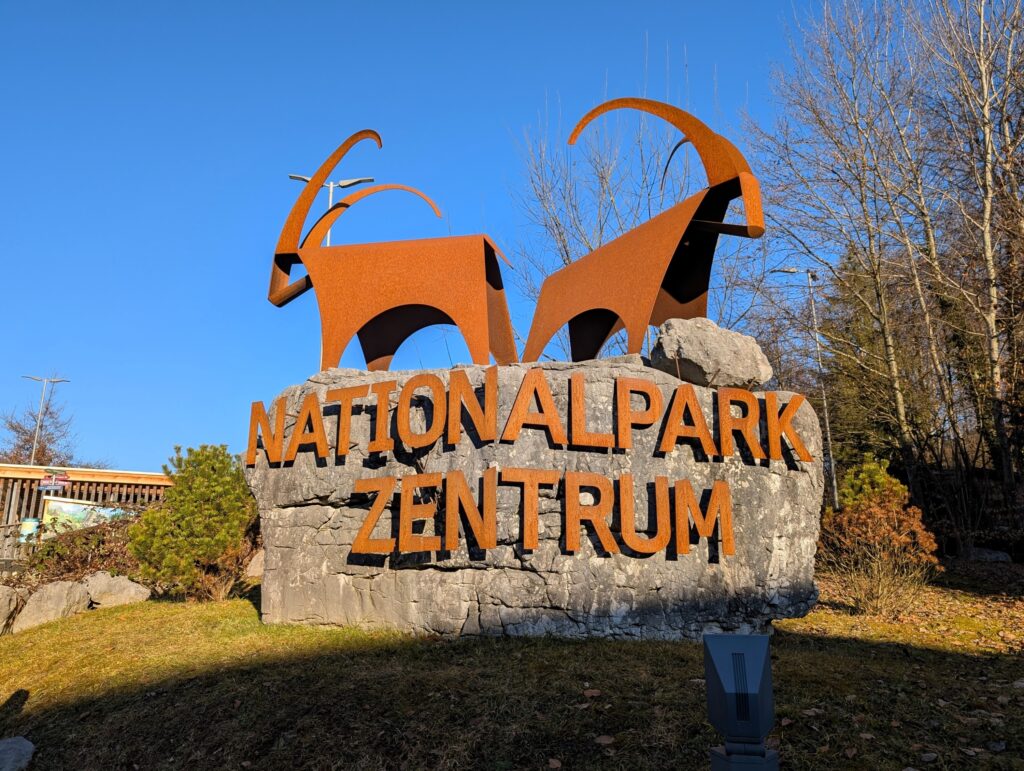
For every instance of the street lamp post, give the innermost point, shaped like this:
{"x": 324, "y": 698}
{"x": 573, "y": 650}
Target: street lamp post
{"x": 39, "y": 415}
{"x": 341, "y": 183}
{"x": 811, "y": 278}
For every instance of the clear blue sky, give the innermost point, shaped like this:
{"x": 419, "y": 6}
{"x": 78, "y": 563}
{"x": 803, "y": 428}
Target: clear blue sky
{"x": 145, "y": 149}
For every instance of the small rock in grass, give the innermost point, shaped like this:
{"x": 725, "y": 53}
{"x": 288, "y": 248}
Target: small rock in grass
{"x": 255, "y": 567}
{"x": 50, "y": 602}
{"x": 11, "y": 600}
{"x": 996, "y": 746}
{"x": 15, "y": 753}
{"x": 988, "y": 555}
{"x": 929, "y": 757}
{"x": 107, "y": 591}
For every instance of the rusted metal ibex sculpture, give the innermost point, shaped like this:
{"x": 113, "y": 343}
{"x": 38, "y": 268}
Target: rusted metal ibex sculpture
{"x": 385, "y": 292}
{"x": 660, "y": 269}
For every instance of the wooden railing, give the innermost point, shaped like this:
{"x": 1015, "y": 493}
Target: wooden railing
{"x": 21, "y": 498}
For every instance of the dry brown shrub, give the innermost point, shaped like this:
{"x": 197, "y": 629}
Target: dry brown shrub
{"x": 877, "y": 547}
{"x": 71, "y": 555}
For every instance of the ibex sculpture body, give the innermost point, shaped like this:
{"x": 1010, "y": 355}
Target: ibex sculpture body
{"x": 660, "y": 269}
{"x": 384, "y": 292}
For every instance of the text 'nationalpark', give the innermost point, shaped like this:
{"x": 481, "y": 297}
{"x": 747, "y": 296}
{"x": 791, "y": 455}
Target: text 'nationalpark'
{"x": 638, "y": 403}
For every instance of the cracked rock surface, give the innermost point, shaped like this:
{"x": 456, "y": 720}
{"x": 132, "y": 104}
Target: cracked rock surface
{"x": 310, "y": 516}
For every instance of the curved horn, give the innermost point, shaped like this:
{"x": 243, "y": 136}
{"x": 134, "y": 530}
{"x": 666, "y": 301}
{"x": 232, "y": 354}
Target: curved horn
{"x": 322, "y": 225}
{"x": 671, "y": 155}
{"x": 286, "y": 255}
{"x": 292, "y": 231}
{"x": 718, "y": 161}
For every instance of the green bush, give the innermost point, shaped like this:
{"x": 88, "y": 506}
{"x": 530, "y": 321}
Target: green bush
{"x": 196, "y": 542}
{"x": 877, "y": 545}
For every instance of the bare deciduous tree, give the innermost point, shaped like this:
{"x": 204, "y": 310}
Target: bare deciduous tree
{"x": 895, "y": 171}
{"x": 56, "y": 440}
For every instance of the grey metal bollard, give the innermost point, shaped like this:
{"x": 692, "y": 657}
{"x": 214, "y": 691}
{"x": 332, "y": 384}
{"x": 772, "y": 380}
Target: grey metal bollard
{"x": 741, "y": 707}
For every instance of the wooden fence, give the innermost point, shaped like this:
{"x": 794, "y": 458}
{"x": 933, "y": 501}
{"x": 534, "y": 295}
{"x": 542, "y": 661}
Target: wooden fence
{"x": 21, "y": 498}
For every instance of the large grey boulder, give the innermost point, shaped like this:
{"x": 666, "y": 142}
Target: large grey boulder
{"x": 107, "y": 591}
{"x": 310, "y": 516}
{"x": 15, "y": 753}
{"x": 700, "y": 352}
{"x": 11, "y": 602}
{"x": 50, "y": 602}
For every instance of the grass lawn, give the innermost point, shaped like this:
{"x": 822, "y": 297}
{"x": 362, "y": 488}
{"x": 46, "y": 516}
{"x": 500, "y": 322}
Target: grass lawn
{"x": 171, "y": 685}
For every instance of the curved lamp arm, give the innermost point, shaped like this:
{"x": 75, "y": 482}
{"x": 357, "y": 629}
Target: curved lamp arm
{"x": 321, "y": 226}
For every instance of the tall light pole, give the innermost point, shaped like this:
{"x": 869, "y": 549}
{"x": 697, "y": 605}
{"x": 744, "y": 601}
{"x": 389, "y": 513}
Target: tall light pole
{"x": 42, "y": 401}
{"x": 330, "y": 191}
{"x": 811, "y": 278}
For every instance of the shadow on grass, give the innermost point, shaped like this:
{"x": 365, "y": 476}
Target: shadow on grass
{"x": 516, "y": 703}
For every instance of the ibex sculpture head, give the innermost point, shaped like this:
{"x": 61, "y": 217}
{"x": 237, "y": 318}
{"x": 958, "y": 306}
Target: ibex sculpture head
{"x": 290, "y": 244}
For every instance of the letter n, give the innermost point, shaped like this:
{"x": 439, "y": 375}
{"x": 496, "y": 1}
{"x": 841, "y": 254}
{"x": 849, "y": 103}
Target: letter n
{"x": 273, "y": 438}
{"x": 458, "y": 498}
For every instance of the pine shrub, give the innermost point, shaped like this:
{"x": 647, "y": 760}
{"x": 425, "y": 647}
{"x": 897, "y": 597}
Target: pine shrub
{"x": 196, "y": 542}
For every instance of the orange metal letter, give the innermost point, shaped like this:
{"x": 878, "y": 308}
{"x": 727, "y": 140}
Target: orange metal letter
{"x": 273, "y": 439}
{"x": 627, "y": 517}
{"x": 535, "y": 384}
{"x": 719, "y": 507}
{"x": 364, "y": 542}
{"x": 381, "y": 442}
{"x": 625, "y": 416}
{"x": 345, "y": 397}
{"x": 439, "y": 399}
{"x": 746, "y": 425}
{"x": 685, "y": 400}
{"x": 531, "y": 480}
{"x": 458, "y": 496}
{"x": 596, "y": 514}
{"x": 460, "y": 394}
{"x": 579, "y": 435}
{"x": 782, "y": 424}
{"x": 311, "y": 416}
{"x": 410, "y": 511}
